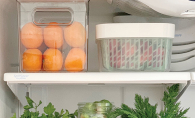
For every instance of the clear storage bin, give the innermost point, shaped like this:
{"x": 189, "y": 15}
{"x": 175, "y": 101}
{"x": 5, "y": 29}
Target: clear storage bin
{"x": 94, "y": 110}
{"x": 135, "y": 47}
{"x": 53, "y": 35}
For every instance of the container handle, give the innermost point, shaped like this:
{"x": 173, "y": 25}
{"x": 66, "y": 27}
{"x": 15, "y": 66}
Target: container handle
{"x": 52, "y": 9}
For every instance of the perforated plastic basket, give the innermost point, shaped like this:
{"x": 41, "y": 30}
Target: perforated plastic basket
{"x": 135, "y": 47}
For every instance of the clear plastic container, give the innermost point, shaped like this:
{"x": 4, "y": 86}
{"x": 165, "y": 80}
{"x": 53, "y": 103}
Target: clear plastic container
{"x": 94, "y": 110}
{"x": 135, "y": 47}
{"x": 53, "y": 35}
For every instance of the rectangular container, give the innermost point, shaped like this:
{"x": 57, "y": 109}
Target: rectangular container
{"x": 53, "y": 35}
{"x": 135, "y": 46}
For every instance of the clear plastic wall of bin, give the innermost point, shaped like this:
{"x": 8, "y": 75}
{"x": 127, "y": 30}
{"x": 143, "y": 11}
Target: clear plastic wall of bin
{"x": 53, "y": 35}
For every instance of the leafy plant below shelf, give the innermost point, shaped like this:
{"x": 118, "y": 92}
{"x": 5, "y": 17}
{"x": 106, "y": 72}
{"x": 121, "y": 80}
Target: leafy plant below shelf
{"x": 49, "y": 111}
{"x": 14, "y": 116}
{"x": 172, "y": 109}
{"x": 143, "y": 109}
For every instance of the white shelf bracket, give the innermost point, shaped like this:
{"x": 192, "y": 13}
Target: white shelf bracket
{"x": 184, "y": 89}
{"x": 20, "y": 91}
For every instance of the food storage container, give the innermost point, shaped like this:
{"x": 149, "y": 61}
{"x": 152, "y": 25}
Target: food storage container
{"x": 135, "y": 46}
{"x": 53, "y": 35}
{"x": 94, "y": 110}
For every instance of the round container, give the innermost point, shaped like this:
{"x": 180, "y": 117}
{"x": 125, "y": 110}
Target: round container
{"x": 94, "y": 110}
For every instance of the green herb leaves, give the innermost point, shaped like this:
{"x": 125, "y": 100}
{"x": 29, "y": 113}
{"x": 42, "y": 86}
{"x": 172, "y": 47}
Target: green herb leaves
{"x": 172, "y": 109}
{"x": 14, "y": 116}
{"x": 143, "y": 109}
{"x": 49, "y": 111}
{"x": 30, "y": 102}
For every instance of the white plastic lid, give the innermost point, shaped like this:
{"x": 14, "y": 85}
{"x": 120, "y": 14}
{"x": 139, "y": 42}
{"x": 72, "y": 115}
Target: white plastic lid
{"x": 139, "y": 30}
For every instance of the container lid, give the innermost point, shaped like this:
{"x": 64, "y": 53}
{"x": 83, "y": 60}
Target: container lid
{"x": 136, "y": 30}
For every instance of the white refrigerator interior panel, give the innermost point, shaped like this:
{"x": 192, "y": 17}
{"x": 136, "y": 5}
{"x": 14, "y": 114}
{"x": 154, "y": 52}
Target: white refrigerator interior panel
{"x": 68, "y": 96}
{"x": 99, "y": 12}
{"x": 187, "y": 100}
{"x": 8, "y": 54}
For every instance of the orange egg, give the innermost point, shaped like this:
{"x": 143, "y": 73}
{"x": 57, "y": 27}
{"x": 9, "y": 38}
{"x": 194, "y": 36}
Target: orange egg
{"x": 53, "y": 35}
{"x": 75, "y": 35}
{"x": 75, "y": 60}
{"x": 32, "y": 60}
{"x": 31, "y": 35}
{"x": 52, "y": 60}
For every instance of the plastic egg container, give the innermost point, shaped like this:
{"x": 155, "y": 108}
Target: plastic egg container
{"x": 134, "y": 47}
{"x": 53, "y": 36}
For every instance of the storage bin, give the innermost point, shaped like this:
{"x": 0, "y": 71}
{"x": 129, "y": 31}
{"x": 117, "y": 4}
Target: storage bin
{"x": 53, "y": 35}
{"x": 94, "y": 110}
{"x": 135, "y": 46}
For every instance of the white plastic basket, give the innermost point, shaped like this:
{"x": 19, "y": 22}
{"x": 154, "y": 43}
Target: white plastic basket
{"x": 135, "y": 47}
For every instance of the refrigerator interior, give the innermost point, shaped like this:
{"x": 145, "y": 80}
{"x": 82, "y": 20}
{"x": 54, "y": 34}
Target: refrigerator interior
{"x": 8, "y": 34}
{"x": 67, "y": 96}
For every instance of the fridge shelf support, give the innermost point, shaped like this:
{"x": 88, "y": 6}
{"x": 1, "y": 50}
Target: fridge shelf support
{"x": 182, "y": 91}
{"x": 20, "y": 91}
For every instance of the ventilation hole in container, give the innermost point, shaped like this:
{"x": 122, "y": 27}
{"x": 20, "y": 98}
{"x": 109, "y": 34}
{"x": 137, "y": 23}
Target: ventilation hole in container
{"x": 141, "y": 41}
{"x": 145, "y": 45}
{"x": 118, "y": 64}
{"x": 114, "y": 59}
{"x": 154, "y": 64}
{"x": 154, "y": 53}
{"x": 154, "y": 58}
{"x": 132, "y": 65}
{"x": 136, "y": 54}
{"x": 114, "y": 50}
{"x": 127, "y": 65}
{"x": 142, "y": 49}
{"x": 136, "y": 66}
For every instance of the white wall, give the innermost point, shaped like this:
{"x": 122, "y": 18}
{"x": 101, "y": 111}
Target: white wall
{"x": 99, "y": 12}
{"x": 188, "y": 100}
{"x": 8, "y": 43}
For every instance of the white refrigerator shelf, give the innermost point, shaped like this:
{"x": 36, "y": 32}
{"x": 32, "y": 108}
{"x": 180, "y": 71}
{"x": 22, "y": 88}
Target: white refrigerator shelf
{"x": 20, "y": 83}
{"x": 99, "y": 77}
